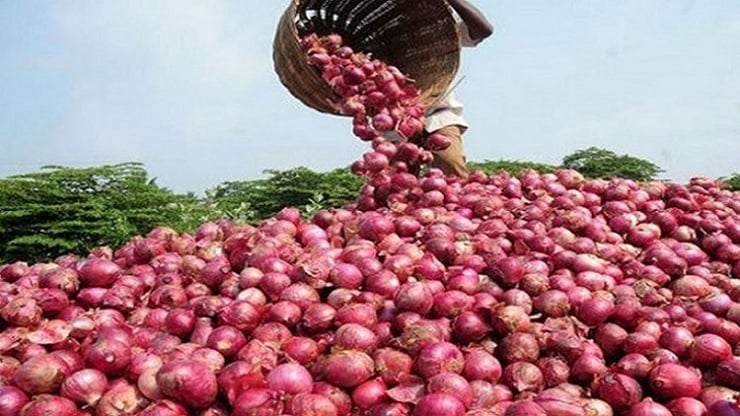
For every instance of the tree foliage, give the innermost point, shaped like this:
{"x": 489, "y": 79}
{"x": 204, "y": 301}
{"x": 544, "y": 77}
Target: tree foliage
{"x": 300, "y": 187}
{"x": 59, "y": 210}
{"x": 601, "y": 163}
{"x": 733, "y": 182}
{"x": 512, "y": 166}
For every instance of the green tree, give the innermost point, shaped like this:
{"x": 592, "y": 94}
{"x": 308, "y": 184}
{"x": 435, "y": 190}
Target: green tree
{"x": 59, "y": 210}
{"x": 601, "y": 163}
{"x": 732, "y": 182}
{"x": 300, "y": 187}
{"x": 512, "y": 166}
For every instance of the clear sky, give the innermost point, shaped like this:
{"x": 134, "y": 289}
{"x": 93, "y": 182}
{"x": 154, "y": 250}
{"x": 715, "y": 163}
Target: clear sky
{"x": 187, "y": 87}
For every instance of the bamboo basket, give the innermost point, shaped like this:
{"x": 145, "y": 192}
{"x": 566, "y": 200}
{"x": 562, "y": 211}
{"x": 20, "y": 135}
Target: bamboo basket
{"x": 417, "y": 36}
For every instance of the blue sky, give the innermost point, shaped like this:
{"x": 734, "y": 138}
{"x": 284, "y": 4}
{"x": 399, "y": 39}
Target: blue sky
{"x": 187, "y": 87}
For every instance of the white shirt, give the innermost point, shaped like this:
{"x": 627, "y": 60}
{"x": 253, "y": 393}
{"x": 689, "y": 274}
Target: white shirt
{"x": 449, "y": 111}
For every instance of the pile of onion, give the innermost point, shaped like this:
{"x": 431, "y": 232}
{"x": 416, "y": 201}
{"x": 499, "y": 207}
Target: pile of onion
{"x": 495, "y": 295}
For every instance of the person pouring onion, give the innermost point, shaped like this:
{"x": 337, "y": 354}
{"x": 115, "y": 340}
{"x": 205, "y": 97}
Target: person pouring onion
{"x": 446, "y": 116}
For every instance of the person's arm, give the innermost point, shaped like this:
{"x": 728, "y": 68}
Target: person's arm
{"x": 479, "y": 27}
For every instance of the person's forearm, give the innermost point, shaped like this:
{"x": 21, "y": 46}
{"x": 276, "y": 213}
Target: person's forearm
{"x": 479, "y": 27}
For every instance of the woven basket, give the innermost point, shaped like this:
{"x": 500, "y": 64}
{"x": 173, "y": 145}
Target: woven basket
{"x": 417, "y": 36}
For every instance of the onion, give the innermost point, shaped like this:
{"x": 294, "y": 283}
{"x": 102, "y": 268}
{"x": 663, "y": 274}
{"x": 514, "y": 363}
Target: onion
{"x": 678, "y": 340}
{"x": 439, "y": 404}
{"x": 728, "y": 373}
{"x": 519, "y": 346}
{"x": 355, "y": 337}
{"x": 348, "y": 368}
{"x": 85, "y": 386}
{"x": 190, "y": 382}
{"x": 392, "y": 366}
{"x": 369, "y": 394}
{"x": 290, "y": 378}
{"x": 306, "y": 404}
{"x": 470, "y": 326}
{"x": 618, "y": 390}
{"x": 480, "y": 365}
{"x": 634, "y": 365}
{"x": 523, "y": 376}
{"x": 437, "y": 357}
{"x": 338, "y": 397}
{"x": 648, "y": 407}
{"x": 164, "y": 408}
{"x": 257, "y": 402}
{"x": 708, "y": 350}
{"x": 686, "y": 406}
{"x": 42, "y": 374}
{"x": 44, "y": 405}
{"x": 12, "y": 400}
{"x": 98, "y": 272}
{"x": 120, "y": 399}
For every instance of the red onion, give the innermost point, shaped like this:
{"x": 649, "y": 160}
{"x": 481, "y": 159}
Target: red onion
{"x": 508, "y": 319}
{"x": 686, "y": 406}
{"x": 439, "y": 404}
{"x": 190, "y": 382}
{"x": 338, "y": 397}
{"x": 85, "y": 386}
{"x": 523, "y": 376}
{"x": 306, "y": 404}
{"x": 108, "y": 355}
{"x": 647, "y": 407}
{"x": 239, "y": 376}
{"x": 634, "y": 365}
{"x": 12, "y": 400}
{"x": 470, "y": 326}
{"x": 709, "y": 349}
{"x": 318, "y": 317}
{"x": 678, "y": 340}
{"x": 671, "y": 381}
{"x": 553, "y": 303}
{"x": 97, "y": 272}
{"x": 369, "y": 394}
{"x": 42, "y": 374}
{"x": 728, "y": 373}
{"x": 45, "y": 404}
{"x": 392, "y": 365}
{"x": 724, "y": 408}
{"x": 525, "y": 408}
{"x": 480, "y": 365}
{"x": 438, "y": 357}
{"x": 519, "y": 346}
{"x": 302, "y": 350}
{"x": 452, "y": 384}
{"x": 619, "y": 390}
{"x": 120, "y": 399}
{"x": 348, "y": 368}
{"x": 291, "y": 378}
{"x": 415, "y": 297}
{"x": 355, "y": 337}
{"x": 164, "y": 408}
{"x": 257, "y": 402}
